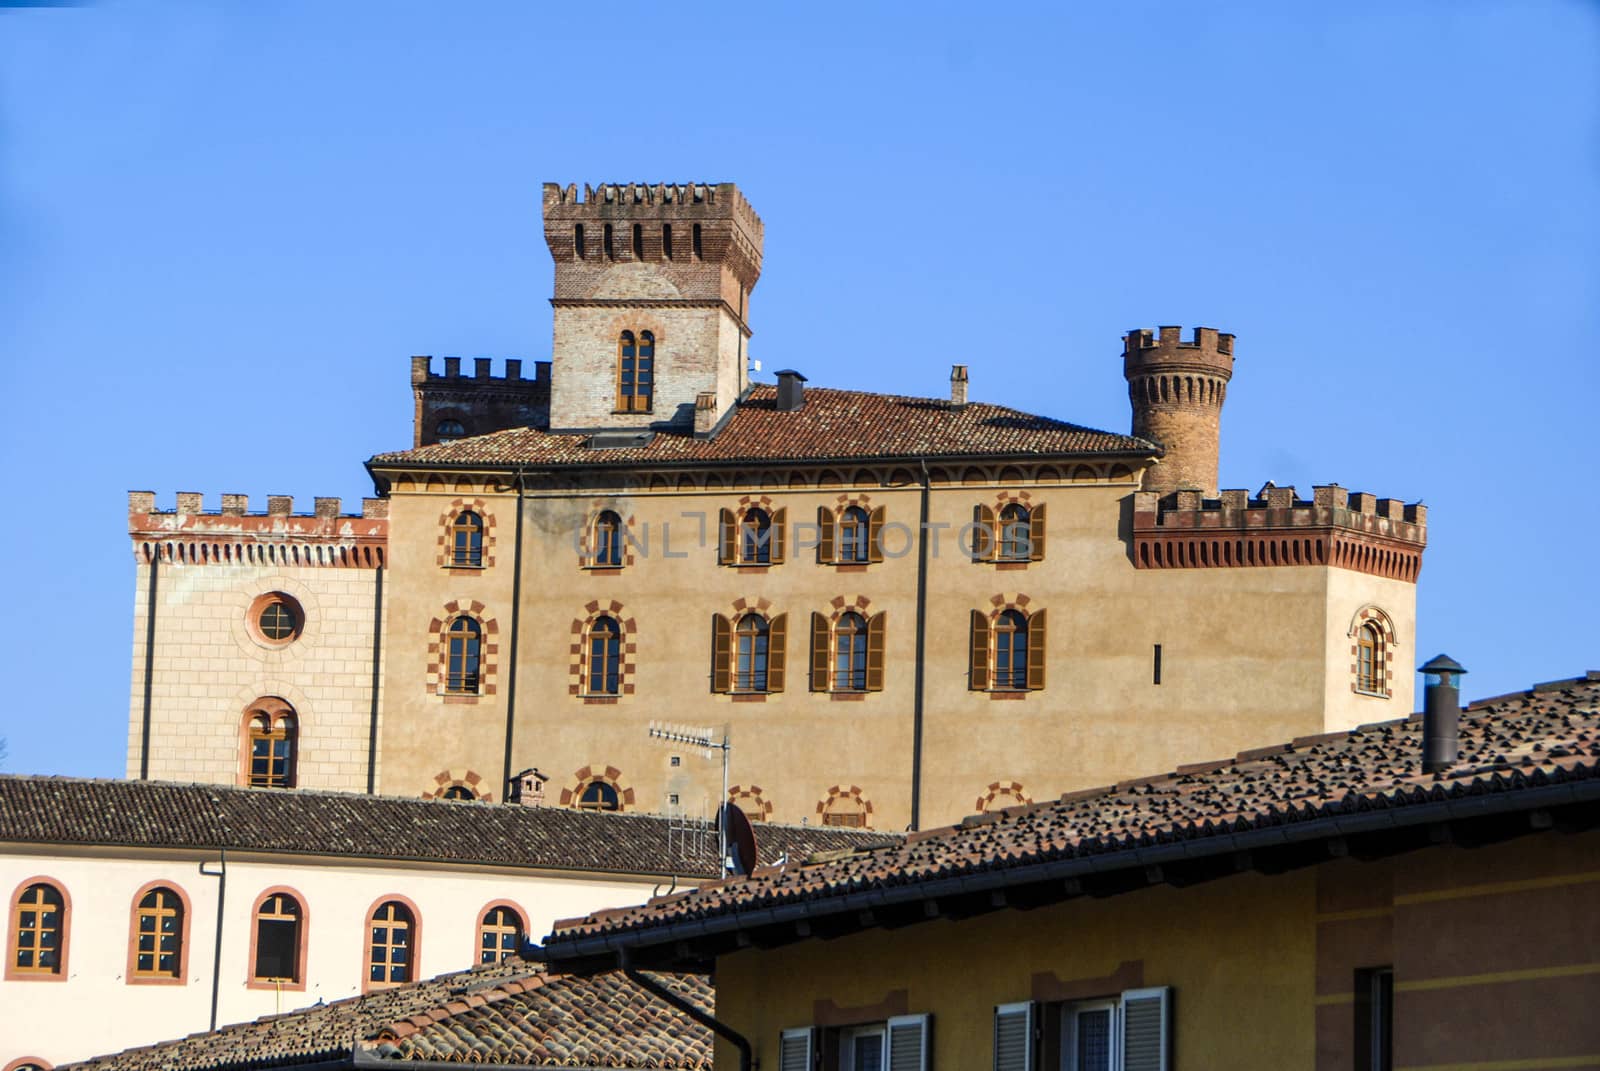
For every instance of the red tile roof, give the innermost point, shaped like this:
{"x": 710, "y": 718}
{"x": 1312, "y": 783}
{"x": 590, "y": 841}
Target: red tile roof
{"x": 1549, "y": 736}
{"x": 842, "y": 425}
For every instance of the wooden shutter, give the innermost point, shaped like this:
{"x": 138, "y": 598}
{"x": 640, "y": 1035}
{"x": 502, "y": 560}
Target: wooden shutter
{"x": 819, "y": 653}
{"x": 1013, "y": 1037}
{"x": 794, "y": 1049}
{"x": 985, "y": 543}
{"x": 780, "y": 519}
{"x": 875, "y": 534}
{"x": 824, "y": 535}
{"x": 908, "y": 1043}
{"x": 727, "y": 537}
{"x": 979, "y": 679}
{"x": 1146, "y": 1018}
{"x": 777, "y": 631}
{"x": 875, "y": 651}
{"x": 1036, "y": 650}
{"x": 1036, "y": 533}
{"x": 721, "y": 654}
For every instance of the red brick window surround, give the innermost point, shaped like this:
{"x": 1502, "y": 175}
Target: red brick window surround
{"x": 158, "y": 938}
{"x": 38, "y": 931}
{"x": 275, "y": 619}
{"x": 469, "y": 786}
{"x": 1008, "y": 648}
{"x": 502, "y": 925}
{"x": 393, "y": 940}
{"x": 847, "y": 808}
{"x": 850, "y": 533}
{"x": 28, "y": 1063}
{"x": 1010, "y": 533}
{"x": 1000, "y": 795}
{"x": 598, "y": 790}
{"x": 847, "y": 648}
{"x": 269, "y": 744}
{"x": 752, "y": 801}
{"x": 466, "y": 536}
{"x": 749, "y": 650}
{"x": 1373, "y": 644}
{"x": 753, "y": 535}
{"x": 603, "y": 653}
{"x": 278, "y": 927}
{"x": 463, "y": 652}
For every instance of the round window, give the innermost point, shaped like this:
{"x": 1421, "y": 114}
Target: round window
{"x": 276, "y": 618}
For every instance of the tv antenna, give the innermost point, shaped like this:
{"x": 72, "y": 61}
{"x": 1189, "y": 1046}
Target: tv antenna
{"x": 704, "y": 739}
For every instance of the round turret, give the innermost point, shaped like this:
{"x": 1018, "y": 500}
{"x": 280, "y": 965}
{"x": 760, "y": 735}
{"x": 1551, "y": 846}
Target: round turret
{"x": 1177, "y": 389}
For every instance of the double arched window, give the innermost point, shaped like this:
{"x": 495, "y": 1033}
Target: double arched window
{"x": 463, "y": 657}
{"x": 277, "y": 944}
{"x": 636, "y": 371}
{"x": 608, "y": 539}
{"x": 392, "y": 948}
{"x": 159, "y": 928}
{"x": 38, "y": 931}
{"x": 271, "y": 739}
{"x": 466, "y": 540}
{"x": 603, "y": 669}
{"x": 500, "y": 931}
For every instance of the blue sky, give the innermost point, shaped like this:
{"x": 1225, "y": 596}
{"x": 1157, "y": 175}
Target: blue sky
{"x": 225, "y": 227}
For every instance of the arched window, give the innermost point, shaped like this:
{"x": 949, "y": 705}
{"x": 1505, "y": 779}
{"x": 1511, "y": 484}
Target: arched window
{"x": 459, "y": 793}
{"x": 1013, "y": 539}
{"x": 598, "y": 796}
{"x": 270, "y": 738}
{"x": 750, "y": 665}
{"x": 464, "y": 657}
{"x": 449, "y": 430}
{"x": 466, "y": 540}
{"x": 604, "y": 671}
{"x": 848, "y": 812}
{"x": 608, "y": 539}
{"x": 850, "y": 653}
{"x": 755, "y": 537}
{"x": 1011, "y": 651}
{"x": 499, "y": 933}
{"x": 636, "y": 362}
{"x": 391, "y": 952}
{"x": 854, "y": 527}
{"x": 277, "y": 953}
{"x": 38, "y": 931}
{"x": 1370, "y": 676}
{"x": 158, "y": 932}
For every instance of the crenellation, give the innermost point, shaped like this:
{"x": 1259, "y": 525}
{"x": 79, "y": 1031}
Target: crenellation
{"x": 235, "y": 505}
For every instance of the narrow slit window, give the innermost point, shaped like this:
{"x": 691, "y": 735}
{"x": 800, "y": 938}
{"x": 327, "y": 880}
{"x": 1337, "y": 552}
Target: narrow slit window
{"x": 1155, "y": 665}
{"x": 699, "y": 253}
{"x": 608, "y": 248}
{"x": 666, "y": 240}
{"x": 577, "y": 241}
{"x": 638, "y": 242}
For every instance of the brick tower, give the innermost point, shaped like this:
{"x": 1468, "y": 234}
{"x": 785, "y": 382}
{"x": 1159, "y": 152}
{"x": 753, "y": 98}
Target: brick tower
{"x": 651, "y": 302}
{"x": 1177, "y": 389}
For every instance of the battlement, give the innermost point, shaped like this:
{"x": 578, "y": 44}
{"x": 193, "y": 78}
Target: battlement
{"x": 1276, "y": 527}
{"x": 482, "y": 373}
{"x": 232, "y": 535}
{"x": 1205, "y": 347}
{"x": 661, "y": 200}
{"x": 453, "y": 406}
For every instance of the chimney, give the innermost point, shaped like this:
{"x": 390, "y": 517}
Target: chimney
{"x": 1441, "y": 713}
{"x": 527, "y": 787}
{"x": 791, "y": 391}
{"x": 705, "y": 412}
{"x": 958, "y": 386}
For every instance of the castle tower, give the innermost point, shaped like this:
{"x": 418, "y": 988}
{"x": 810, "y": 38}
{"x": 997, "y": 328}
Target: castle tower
{"x": 651, "y": 302}
{"x": 1177, "y": 389}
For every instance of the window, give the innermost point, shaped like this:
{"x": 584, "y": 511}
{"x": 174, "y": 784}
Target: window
{"x": 1086, "y": 1042}
{"x": 499, "y": 934}
{"x": 699, "y": 250}
{"x": 854, "y": 524}
{"x": 38, "y": 932}
{"x": 846, "y": 812}
{"x": 1008, "y": 651}
{"x": 1011, "y": 650}
{"x": 158, "y": 933}
{"x": 466, "y": 541}
{"x": 747, "y": 654}
{"x": 638, "y": 242}
{"x": 463, "y": 661}
{"x": 278, "y": 955}
{"x": 847, "y": 656}
{"x": 610, "y": 250}
{"x": 755, "y": 537}
{"x": 391, "y": 953}
{"x": 850, "y": 654}
{"x": 449, "y": 430}
{"x": 270, "y": 738}
{"x": 899, "y": 1044}
{"x": 1127, "y": 1032}
{"x": 750, "y": 674}
{"x": 1374, "y": 1020}
{"x": 666, "y": 240}
{"x": 636, "y": 360}
{"x": 608, "y": 539}
{"x": 603, "y": 674}
{"x": 275, "y": 618}
{"x": 577, "y": 241}
{"x": 598, "y": 796}
{"x": 1370, "y": 675}
{"x": 459, "y": 793}
{"x": 1013, "y": 534}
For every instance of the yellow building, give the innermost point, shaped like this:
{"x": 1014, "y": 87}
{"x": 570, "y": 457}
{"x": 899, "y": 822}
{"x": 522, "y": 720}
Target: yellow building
{"x": 1373, "y": 899}
{"x": 899, "y": 609}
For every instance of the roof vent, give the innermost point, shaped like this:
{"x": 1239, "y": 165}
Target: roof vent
{"x": 1441, "y": 713}
{"x": 791, "y": 390}
{"x": 619, "y": 440}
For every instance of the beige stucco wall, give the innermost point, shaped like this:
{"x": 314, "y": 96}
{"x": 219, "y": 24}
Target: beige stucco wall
{"x": 48, "y": 1019}
{"x": 209, "y": 666}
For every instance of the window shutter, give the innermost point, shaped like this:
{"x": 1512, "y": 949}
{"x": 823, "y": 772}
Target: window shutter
{"x": 875, "y": 651}
{"x": 824, "y": 535}
{"x": 721, "y": 654}
{"x": 985, "y": 545}
{"x": 1036, "y": 534}
{"x": 780, "y": 518}
{"x": 979, "y": 679}
{"x": 1036, "y": 650}
{"x": 794, "y": 1050}
{"x": 819, "y": 653}
{"x": 1013, "y": 1037}
{"x": 728, "y": 536}
{"x": 874, "y": 534}
{"x": 908, "y": 1042}
{"x": 1146, "y": 1018}
{"x": 777, "y": 633}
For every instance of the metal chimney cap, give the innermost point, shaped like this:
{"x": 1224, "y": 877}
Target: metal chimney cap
{"x": 790, "y": 372}
{"x": 1442, "y": 663}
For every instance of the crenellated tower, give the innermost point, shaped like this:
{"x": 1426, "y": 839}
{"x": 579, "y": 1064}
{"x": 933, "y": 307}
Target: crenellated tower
{"x": 1177, "y": 389}
{"x": 652, "y": 296}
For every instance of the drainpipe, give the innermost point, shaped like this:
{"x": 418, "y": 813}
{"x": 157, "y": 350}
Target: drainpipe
{"x": 516, "y": 611}
{"x": 377, "y": 657}
{"x": 221, "y": 874}
{"x": 149, "y": 663}
{"x": 655, "y": 988}
{"x": 922, "y": 643}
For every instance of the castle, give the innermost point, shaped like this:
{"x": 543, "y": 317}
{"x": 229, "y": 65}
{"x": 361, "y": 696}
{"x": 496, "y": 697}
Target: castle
{"x": 899, "y": 609}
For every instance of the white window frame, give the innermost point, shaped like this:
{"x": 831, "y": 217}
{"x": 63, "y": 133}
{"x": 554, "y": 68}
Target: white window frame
{"x": 848, "y": 1038}
{"x": 1069, "y": 1030}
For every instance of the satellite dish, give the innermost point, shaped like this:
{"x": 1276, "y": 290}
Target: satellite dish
{"x": 741, "y": 838}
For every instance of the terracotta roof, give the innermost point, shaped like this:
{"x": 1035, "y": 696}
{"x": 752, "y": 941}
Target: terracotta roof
{"x": 1549, "y": 736}
{"x": 512, "y": 1012}
{"x": 58, "y": 810}
{"x": 843, "y": 425}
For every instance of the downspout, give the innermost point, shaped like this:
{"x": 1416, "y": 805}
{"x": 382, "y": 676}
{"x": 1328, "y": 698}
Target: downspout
{"x": 221, "y": 874}
{"x": 149, "y": 663}
{"x": 516, "y": 613}
{"x": 711, "y": 1023}
{"x": 377, "y": 657}
{"x": 922, "y": 644}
